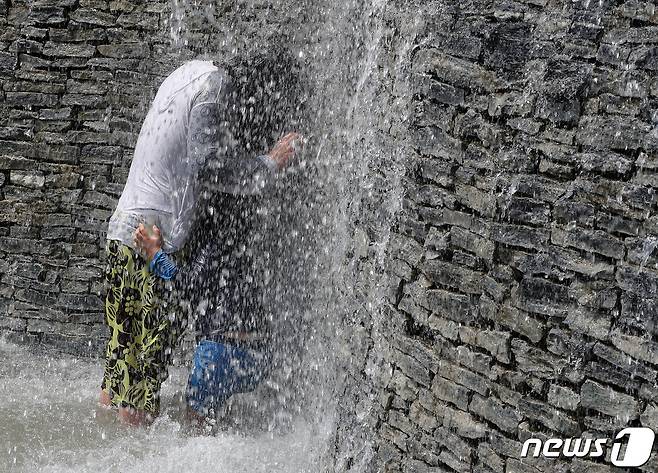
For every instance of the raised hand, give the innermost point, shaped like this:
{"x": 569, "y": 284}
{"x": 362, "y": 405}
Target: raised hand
{"x": 285, "y": 149}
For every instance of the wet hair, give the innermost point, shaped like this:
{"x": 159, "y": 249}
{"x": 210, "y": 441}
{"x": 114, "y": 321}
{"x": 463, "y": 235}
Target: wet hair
{"x": 266, "y": 96}
{"x": 262, "y": 101}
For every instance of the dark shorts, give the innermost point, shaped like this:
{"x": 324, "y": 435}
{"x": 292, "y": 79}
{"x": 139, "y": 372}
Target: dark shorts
{"x": 221, "y": 370}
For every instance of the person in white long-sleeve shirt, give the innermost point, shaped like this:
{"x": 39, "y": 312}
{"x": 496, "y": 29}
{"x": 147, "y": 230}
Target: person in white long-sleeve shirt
{"x": 190, "y": 122}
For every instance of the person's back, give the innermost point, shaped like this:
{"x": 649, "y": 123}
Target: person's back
{"x": 161, "y": 184}
{"x": 232, "y": 282}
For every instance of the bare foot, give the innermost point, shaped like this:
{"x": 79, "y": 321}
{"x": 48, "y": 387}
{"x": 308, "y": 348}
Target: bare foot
{"x": 135, "y": 417}
{"x": 196, "y": 423}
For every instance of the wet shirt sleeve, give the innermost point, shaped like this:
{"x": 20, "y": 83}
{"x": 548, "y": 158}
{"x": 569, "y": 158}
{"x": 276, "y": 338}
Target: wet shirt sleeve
{"x": 164, "y": 267}
{"x": 239, "y": 175}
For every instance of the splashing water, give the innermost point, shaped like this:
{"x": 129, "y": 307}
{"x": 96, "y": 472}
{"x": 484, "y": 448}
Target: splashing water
{"x": 51, "y": 423}
{"x": 48, "y": 412}
{"x": 648, "y": 247}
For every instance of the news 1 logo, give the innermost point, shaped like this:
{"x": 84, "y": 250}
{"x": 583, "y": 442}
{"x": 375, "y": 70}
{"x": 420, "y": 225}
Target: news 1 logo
{"x": 637, "y": 440}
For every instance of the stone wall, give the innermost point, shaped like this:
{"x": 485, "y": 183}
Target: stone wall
{"x": 487, "y": 205}
{"x": 517, "y": 295}
{"x": 75, "y": 79}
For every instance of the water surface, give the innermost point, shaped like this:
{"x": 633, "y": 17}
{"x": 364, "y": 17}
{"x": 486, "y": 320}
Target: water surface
{"x": 50, "y": 422}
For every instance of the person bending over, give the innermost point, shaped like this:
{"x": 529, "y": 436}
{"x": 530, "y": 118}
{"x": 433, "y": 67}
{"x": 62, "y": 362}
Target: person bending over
{"x": 195, "y": 116}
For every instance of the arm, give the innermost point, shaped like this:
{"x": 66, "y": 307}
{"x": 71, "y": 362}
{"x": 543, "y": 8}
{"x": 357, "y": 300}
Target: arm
{"x": 237, "y": 169}
{"x": 249, "y": 176}
{"x": 161, "y": 264}
{"x": 165, "y": 268}
{"x": 242, "y": 175}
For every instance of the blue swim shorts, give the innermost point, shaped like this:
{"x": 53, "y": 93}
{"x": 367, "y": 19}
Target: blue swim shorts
{"x": 221, "y": 370}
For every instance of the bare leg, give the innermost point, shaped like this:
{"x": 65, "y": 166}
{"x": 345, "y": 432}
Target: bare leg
{"x": 105, "y": 400}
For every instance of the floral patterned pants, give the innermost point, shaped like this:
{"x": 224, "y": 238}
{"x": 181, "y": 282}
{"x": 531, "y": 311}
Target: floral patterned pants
{"x": 140, "y": 345}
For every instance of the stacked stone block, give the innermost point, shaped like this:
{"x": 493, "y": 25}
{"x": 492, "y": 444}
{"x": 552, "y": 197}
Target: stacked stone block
{"x": 521, "y": 273}
{"x": 75, "y": 80}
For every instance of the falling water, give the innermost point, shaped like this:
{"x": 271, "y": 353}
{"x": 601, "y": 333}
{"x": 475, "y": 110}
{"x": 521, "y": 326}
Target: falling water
{"x": 311, "y": 240}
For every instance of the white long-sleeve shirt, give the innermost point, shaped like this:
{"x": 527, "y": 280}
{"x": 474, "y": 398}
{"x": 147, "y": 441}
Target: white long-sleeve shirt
{"x": 185, "y": 126}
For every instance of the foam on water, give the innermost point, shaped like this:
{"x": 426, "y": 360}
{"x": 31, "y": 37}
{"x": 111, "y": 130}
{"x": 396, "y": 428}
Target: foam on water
{"x": 50, "y": 422}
